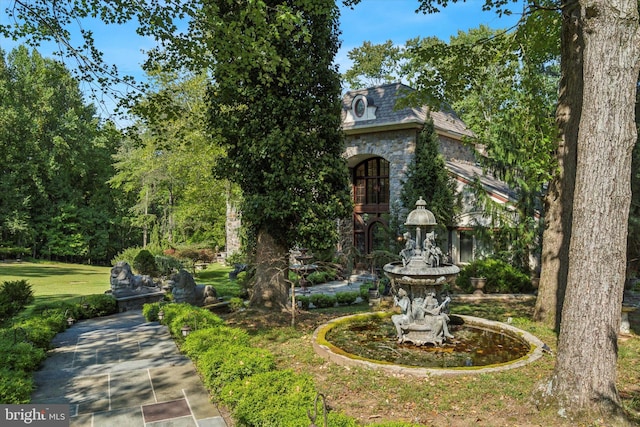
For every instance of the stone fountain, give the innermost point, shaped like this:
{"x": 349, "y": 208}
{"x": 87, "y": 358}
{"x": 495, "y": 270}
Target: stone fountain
{"x": 417, "y": 283}
{"x": 400, "y": 347}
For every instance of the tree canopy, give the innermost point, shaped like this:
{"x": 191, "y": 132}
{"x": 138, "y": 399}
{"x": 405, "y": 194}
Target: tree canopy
{"x": 57, "y": 159}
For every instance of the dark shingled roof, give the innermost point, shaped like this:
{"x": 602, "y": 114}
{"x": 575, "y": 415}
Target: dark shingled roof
{"x": 384, "y": 98}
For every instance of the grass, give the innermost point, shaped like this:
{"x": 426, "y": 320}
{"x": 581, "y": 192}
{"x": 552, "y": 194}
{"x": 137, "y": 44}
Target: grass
{"x": 57, "y": 281}
{"x": 217, "y": 275}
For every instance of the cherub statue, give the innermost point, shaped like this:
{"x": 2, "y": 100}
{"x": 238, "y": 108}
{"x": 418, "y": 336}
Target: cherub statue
{"x": 409, "y": 248}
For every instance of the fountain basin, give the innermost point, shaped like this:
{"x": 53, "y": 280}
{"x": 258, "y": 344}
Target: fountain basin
{"x": 416, "y": 271}
{"x": 323, "y": 345}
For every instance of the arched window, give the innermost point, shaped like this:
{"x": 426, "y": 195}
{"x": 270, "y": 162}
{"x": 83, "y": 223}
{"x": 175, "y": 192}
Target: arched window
{"x": 371, "y": 202}
{"x": 371, "y": 185}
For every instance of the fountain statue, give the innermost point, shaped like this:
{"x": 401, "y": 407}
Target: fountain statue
{"x": 417, "y": 283}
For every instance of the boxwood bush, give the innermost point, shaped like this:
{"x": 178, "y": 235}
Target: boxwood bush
{"x": 277, "y": 399}
{"x": 177, "y": 315}
{"x": 14, "y": 296}
{"x": 166, "y": 265}
{"x": 243, "y": 377}
{"x": 15, "y": 386}
{"x": 347, "y": 297}
{"x": 323, "y": 300}
{"x": 230, "y": 362}
{"x": 200, "y": 341}
{"x": 304, "y": 301}
{"x": 271, "y": 399}
{"x": 145, "y": 263}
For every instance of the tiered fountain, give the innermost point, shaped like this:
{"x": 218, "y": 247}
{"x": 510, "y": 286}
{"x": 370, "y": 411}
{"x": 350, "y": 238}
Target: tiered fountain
{"x": 417, "y": 283}
{"x": 418, "y": 340}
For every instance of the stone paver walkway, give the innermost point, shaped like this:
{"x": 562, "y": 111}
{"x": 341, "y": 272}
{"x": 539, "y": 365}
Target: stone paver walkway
{"x": 123, "y": 371}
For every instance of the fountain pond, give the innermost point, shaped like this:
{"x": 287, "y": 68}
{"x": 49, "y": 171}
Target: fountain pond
{"x": 421, "y": 337}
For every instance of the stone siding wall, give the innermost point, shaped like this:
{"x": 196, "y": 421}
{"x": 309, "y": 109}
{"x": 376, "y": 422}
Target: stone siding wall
{"x": 452, "y": 149}
{"x": 397, "y": 147}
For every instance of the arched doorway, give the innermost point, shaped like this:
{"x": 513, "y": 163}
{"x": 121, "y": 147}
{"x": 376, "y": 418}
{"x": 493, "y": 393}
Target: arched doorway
{"x": 371, "y": 203}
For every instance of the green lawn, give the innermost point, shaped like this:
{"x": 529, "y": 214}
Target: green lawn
{"x": 57, "y": 281}
{"x": 217, "y": 275}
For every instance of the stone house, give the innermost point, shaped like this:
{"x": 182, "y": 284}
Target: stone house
{"x": 380, "y": 144}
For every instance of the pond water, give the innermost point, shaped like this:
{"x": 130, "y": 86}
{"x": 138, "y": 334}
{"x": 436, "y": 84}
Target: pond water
{"x": 375, "y": 338}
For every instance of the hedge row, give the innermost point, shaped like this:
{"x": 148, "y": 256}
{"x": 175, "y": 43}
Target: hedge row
{"x": 25, "y": 340}
{"x": 243, "y": 377}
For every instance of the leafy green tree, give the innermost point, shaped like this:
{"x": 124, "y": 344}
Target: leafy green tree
{"x": 168, "y": 165}
{"x": 276, "y": 101}
{"x": 373, "y": 64}
{"x": 427, "y": 177}
{"x": 54, "y": 198}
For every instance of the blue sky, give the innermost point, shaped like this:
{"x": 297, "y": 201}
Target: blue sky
{"x": 373, "y": 20}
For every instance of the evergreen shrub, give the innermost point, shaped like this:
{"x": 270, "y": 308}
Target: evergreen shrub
{"x": 150, "y": 311}
{"x": 127, "y": 255}
{"x": 347, "y": 297}
{"x": 323, "y": 300}
{"x": 304, "y": 301}
{"x": 271, "y": 399}
{"x": 501, "y": 277}
{"x": 19, "y": 355}
{"x": 166, "y": 265}
{"x": 178, "y": 315}
{"x": 145, "y": 263}
{"x": 198, "y": 342}
{"x": 14, "y": 296}
{"x": 230, "y": 362}
{"x": 39, "y": 331}
{"x": 98, "y": 306}
{"x": 15, "y": 386}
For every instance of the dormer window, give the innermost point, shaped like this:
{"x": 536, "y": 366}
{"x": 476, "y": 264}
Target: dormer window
{"x": 361, "y": 109}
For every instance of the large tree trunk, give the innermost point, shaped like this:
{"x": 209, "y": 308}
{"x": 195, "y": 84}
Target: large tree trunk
{"x": 559, "y": 198}
{"x": 585, "y": 373}
{"x": 270, "y": 289}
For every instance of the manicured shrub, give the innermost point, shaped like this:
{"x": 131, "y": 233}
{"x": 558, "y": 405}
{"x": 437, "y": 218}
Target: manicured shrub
{"x": 178, "y": 315}
{"x": 501, "y": 277}
{"x": 347, "y": 297}
{"x": 322, "y": 276}
{"x": 150, "y": 311}
{"x": 127, "y": 255}
{"x": 38, "y": 331}
{"x": 14, "y": 296}
{"x": 365, "y": 288}
{"x": 227, "y": 362}
{"x": 166, "y": 265}
{"x": 15, "y": 386}
{"x": 202, "y": 340}
{"x": 323, "y": 300}
{"x": 271, "y": 399}
{"x": 97, "y": 306}
{"x": 145, "y": 263}
{"x": 19, "y": 355}
{"x": 304, "y": 301}
{"x": 197, "y": 319}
